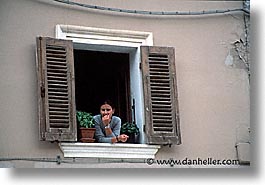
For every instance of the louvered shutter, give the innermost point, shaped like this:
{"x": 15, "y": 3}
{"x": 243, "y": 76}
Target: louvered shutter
{"x": 56, "y": 95}
{"x": 160, "y": 95}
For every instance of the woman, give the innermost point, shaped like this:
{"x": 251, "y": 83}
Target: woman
{"x": 108, "y": 126}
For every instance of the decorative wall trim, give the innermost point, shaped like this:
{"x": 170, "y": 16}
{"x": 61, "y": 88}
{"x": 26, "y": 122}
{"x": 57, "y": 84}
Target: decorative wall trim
{"x": 107, "y": 150}
{"x": 91, "y": 35}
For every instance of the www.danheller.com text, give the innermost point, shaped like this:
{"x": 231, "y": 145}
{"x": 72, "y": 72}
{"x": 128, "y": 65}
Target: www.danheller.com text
{"x": 190, "y": 162}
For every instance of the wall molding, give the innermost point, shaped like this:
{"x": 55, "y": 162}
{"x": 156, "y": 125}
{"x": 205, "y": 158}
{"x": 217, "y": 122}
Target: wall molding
{"x": 103, "y": 36}
{"x": 108, "y": 150}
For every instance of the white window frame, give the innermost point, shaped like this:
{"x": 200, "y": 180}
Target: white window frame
{"x": 123, "y": 41}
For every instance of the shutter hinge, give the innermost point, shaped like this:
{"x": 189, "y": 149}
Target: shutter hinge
{"x": 140, "y": 65}
{"x": 60, "y": 132}
{"x": 43, "y": 136}
{"x": 42, "y": 91}
{"x": 169, "y": 142}
{"x": 58, "y": 159}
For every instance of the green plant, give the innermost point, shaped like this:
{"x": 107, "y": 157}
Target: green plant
{"x": 129, "y": 128}
{"x": 85, "y": 119}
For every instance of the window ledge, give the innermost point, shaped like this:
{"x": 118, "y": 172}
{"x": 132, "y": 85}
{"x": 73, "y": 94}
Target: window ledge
{"x": 107, "y": 150}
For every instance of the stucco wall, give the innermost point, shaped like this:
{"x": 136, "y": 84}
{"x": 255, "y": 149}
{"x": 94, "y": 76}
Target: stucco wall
{"x": 213, "y": 96}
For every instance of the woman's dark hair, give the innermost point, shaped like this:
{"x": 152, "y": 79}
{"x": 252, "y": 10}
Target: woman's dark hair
{"x": 108, "y": 102}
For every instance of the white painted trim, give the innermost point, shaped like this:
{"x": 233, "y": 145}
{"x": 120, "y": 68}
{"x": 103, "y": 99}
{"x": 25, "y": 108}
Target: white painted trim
{"x": 103, "y": 36}
{"x": 107, "y": 150}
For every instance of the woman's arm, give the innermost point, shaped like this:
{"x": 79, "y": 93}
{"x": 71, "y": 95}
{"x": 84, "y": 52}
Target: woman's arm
{"x": 116, "y": 127}
{"x": 111, "y": 131}
{"x": 100, "y": 135}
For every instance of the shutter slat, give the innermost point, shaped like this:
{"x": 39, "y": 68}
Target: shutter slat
{"x": 161, "y": 102}
{"x": 155, "y": 83}
{"x": 59, "y": 117}
{"x": 155, "y": 94}
{"x": 55, "y": 82}
{"x": 63, "y": 109}
{"x": 57, "y": 85}
{"x": 54, "y": 70}
{"x": 62, "y": 97}
{"x": 163, "y": 130}
{"x": 54, "y": 50}
{"x": 59, "y": 67}
{"x": 52, "y": 112}
{"x": 159, "y": 73}
{"x": 57, "y": 93}
{"x": 56, "y": 77}
{"x": 160, "y": 87}
{"x": 57, "y": 89}
{"x": 160, "y": 80}
{"x": 59, "y": 105}
{"x": 56, "y": 74}
{"x": 164, "y": 112}
{"x": 58, "y": 101}
{"x": 57, "y": 62}
{"x": 160, "y": 98}
{"x": 58, "y": 125}
{"x": 164, "y": 124}
{"x": 162, "y": 91}
{"x": 59, "y": 112}
{"x": 168, "y": 121}
{"x": 53, "y": 58}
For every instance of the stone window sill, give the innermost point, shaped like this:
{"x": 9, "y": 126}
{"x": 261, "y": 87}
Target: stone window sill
{"x": 107, "y": 150}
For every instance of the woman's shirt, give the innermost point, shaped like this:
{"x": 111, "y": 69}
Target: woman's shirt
{"x": 100, "y": 135}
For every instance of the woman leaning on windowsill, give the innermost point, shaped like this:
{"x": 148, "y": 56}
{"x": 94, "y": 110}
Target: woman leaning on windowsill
{"x": 108, "y": 126}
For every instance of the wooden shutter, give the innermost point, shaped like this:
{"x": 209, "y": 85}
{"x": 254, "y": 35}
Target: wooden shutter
{"x": 160, "y": 95}
{"x": 56, "y": 94}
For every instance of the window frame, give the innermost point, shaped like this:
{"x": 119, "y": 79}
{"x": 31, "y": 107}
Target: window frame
{"x": 102, "y": 39}
{"x": 130, "y": 40}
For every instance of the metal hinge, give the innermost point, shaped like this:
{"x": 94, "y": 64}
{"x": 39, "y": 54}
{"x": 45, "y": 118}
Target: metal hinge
{"x": 42, "y": 91}
{"x": 43, "y": 135}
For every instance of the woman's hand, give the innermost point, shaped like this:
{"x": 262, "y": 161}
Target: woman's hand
{"x": 106, "y": 119}
{"x": 123, "y": 137}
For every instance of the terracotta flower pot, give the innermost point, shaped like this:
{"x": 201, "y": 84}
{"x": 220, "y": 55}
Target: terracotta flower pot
{"x": 87, "y": 134}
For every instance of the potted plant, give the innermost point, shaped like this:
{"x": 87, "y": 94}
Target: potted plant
{"x": 131, "y": 130}
{"x": 86, "y": 126}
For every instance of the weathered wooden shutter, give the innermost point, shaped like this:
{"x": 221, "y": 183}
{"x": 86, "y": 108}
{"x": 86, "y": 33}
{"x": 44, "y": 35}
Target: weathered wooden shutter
{"x": 160, "y": 95}
{"x": 56, "y": 94}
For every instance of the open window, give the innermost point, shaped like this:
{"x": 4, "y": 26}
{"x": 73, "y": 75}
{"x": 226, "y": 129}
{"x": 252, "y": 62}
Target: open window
{"x": 71, "y": 79}
{"x": 100, "y": 76}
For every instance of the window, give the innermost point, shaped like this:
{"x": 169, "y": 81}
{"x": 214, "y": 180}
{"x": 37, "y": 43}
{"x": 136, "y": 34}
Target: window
{"x": 100, "y": 76}
{"x": 57, "y": 84}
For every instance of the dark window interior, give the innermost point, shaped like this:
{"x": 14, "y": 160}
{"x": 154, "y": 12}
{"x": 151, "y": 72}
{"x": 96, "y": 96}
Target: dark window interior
{"x": 100, "y": 76}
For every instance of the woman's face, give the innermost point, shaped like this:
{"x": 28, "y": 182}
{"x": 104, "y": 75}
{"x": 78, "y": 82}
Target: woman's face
{"x": 106, "y": 109}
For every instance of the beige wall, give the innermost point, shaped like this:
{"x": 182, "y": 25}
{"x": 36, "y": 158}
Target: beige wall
{"x": 213, "y": 96}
